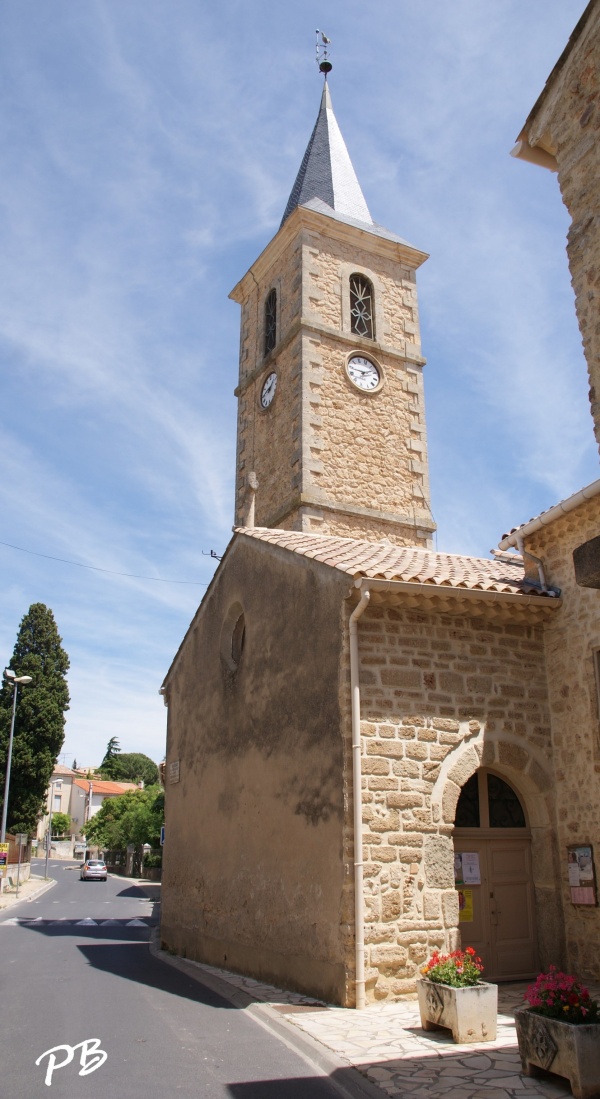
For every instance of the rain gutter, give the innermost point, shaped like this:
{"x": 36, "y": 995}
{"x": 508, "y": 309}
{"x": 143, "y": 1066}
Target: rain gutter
{"x": 547, "y": 517}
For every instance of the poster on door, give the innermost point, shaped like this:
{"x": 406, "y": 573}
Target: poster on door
{"x": 466, "y": 868}
{"x": 582, "y": 876}
{"x": 465, "y": 906}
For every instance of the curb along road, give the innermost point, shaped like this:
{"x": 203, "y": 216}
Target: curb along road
{"x": 347, "y": 1080}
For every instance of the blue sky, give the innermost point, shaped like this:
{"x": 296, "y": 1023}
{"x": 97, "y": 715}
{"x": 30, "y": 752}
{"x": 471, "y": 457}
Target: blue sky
{"x": 148, "y": 152}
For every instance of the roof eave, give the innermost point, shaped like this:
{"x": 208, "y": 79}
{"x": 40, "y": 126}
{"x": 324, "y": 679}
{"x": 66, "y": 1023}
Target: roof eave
{"x": 303, "y": 217}
{"x": 509, "y": 541}
{"x": 446, "y": 593}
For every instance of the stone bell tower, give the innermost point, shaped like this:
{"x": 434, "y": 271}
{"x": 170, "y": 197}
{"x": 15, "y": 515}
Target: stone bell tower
{"x": 331, "y": 415}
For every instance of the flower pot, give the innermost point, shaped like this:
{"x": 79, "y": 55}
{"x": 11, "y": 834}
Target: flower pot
{"x": 567, "y": 1049}
{"x": 470, "y": 1013}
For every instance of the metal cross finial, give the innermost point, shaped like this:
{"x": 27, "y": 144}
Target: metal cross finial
{"x": 323, "y": 44}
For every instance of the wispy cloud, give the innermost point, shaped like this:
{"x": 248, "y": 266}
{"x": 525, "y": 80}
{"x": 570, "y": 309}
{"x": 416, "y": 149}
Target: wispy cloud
{"x": 147, "y": 156}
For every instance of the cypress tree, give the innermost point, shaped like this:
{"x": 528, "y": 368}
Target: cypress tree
{"x": 40, "y": 720}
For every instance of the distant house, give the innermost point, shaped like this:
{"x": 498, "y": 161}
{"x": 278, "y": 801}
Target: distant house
{"x": 58, "y": 795}
{"x": 80, "y": 797}
{"x": 88, "y": 796}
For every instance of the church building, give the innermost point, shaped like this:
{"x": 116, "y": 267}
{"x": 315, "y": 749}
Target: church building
{"x": 364, "y": 759}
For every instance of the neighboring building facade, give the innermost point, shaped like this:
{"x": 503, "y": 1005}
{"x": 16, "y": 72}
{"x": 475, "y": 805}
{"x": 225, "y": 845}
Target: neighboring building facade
{"x": 376, "y": 748}
{"x": 564, "y": 127}
{"x": 562, "y": 133}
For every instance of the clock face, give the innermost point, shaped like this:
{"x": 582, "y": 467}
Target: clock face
{"x": 268, "y": 390}
{"x": 363, "y": 373}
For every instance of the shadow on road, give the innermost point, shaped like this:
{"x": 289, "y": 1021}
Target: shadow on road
{"x": 133, "y": 962}
{"x": 297, "y": 1087}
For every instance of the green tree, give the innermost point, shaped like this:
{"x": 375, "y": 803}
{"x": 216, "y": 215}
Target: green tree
{"x": 131, "y": 767}
{"x": 133, "y": 817}
{"x": 109, "y": 768}
{"x": 61, "y": 824}
{"x": 40, "y": 717}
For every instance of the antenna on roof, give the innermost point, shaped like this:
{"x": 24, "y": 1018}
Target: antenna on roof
{"x": 323, "y": 44}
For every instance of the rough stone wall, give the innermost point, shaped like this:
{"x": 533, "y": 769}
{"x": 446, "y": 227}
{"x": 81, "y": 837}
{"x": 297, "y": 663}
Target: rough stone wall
{"x": 567, "y": 122}
{"x": 268, "y": 440}
{"x": 366, "y": 451}
{"x": 442, "y": 694}
{"x": 259, "y": 801}
{"x": 571, "y": 636}
{"x": 328, "y": 264}
{"x": 311, "y": 519}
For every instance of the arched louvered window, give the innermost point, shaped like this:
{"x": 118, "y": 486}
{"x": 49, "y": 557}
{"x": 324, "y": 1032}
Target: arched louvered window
{"x": 487, "y": 801}
{"x": 270, "y": 321}
{"x": 362, "y": 307}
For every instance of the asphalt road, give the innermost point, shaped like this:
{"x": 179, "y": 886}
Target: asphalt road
{"x": 76, "y": 972}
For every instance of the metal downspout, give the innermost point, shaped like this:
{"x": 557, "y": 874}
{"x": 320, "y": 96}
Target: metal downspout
{"x": 540, "y": 564}
{"x": 359, "y": 904}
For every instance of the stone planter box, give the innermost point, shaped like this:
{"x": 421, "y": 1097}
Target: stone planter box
{"x": 567, "y": 1050}
{"x": 470, "y": 1013}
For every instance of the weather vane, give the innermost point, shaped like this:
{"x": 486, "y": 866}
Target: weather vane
{"x": 323, "y": 44}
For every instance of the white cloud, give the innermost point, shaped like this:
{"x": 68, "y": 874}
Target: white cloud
{"x": 148, "y": 152}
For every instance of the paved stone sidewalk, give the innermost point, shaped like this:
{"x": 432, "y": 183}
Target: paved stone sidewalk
{"x": 385, "y": 1042}
{"x": 28, "y": 890}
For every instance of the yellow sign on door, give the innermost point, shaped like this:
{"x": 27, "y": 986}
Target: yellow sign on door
{"x": 465, "y": 905}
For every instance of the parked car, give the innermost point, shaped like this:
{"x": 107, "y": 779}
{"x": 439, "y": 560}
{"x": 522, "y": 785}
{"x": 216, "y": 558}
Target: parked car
{"x": 94, "y": 870}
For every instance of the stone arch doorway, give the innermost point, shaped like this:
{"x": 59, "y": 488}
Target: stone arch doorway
{"x": 493, "y": 873}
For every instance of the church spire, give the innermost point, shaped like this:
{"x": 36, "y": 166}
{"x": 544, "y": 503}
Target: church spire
{"x": 326, "y": 172}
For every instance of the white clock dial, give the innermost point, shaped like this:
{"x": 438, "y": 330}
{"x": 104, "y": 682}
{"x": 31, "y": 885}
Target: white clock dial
{"x": 363, "y": 373}
{"x": 268, "y": 390}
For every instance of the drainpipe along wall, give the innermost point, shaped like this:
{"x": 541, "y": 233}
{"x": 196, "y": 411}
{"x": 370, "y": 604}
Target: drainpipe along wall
{"x": 359, "y": 903}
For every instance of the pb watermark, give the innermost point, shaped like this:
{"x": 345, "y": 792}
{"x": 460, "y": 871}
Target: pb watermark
{"x": 91, "y": 1057}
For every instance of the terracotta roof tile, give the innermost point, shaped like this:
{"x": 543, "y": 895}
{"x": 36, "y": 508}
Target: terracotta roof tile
{"x": 381, "y": 561}
{"x": 103, "y": 786}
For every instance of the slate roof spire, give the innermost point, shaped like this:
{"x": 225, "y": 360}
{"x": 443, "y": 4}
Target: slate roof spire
{"x": 326, "y": 172}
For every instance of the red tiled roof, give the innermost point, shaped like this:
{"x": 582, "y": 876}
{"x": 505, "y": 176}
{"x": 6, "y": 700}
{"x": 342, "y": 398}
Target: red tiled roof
{"x": 103, "y": 786}
{"x": 382, "y": 561}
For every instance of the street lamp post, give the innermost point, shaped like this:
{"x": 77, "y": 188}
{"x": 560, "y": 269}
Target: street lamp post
{"x": 15, "y": 679}
{"x": 11, "y": 677}
{"x": 49, "y": 832}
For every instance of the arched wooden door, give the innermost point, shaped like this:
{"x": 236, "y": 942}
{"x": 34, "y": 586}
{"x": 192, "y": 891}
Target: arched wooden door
{"x": 492, "y": 870}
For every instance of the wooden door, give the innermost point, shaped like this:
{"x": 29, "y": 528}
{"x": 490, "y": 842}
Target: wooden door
{"x": 498, "y": 920}
{"x": 502, "y": 927}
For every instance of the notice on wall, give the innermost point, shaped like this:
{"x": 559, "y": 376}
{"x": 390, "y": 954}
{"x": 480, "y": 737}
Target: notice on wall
{"x": 466, "y": 868}
{"x": 582, "y": 875}
{"x": 174, "y": 771}
{"x": 465, "y": 906}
